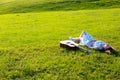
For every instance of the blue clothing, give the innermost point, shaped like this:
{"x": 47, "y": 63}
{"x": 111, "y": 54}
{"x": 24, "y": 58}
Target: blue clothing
{"x": 90, "y": 42}
{"x": 99, "y": 45}
{"x": 85, "y": 38}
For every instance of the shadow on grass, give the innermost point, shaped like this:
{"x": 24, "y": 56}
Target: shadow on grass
{"x": 58, "y": 6}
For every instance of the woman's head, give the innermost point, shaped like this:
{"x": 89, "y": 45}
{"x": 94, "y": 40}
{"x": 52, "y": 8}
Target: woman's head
{"x": 108, "y": 49}
{"x": 106, "y": 46}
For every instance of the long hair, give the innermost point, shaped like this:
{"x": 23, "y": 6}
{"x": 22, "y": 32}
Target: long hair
{"x": 112, "y": 50}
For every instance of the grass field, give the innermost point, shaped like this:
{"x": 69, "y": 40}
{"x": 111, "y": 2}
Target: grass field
{"x": 29, "y": 45}
{"x": 24, "y": 6}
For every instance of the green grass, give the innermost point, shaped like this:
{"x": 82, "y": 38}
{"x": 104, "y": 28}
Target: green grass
{"x": 23, "y": 6}
{"x": 29, "y": 45}
{"x": 5, "y": 1}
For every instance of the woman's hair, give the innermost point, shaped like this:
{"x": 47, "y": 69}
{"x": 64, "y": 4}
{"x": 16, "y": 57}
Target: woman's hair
{"x": 110, "y": 50}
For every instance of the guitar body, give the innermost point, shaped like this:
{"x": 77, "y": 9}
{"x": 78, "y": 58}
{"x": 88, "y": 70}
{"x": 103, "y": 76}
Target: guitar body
{"x": 68, "y": 44}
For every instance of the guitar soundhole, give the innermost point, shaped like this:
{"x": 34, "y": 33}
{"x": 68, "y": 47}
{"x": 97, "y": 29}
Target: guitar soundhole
{"x": 68, "y": 42}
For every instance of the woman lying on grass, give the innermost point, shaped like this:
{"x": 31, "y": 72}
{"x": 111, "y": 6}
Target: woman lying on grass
{"x": 90, "y": 42}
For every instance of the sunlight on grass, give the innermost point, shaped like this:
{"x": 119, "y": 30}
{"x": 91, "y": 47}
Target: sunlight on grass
{"x": 29, "y": 45}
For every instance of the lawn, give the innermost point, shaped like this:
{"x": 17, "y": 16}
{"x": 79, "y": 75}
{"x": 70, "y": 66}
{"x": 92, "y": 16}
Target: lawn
{"x": 24, "y": 6}
{"x": 29, "y": 45}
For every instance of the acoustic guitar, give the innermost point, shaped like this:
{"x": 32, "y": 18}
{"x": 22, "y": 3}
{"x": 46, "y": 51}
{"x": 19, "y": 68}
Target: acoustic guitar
{"x": 71, "y": 45}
